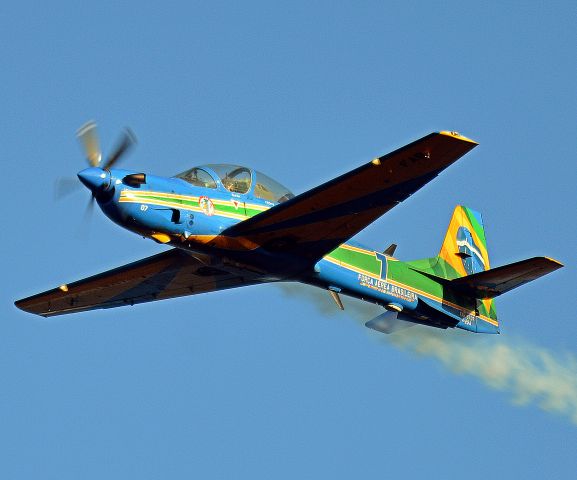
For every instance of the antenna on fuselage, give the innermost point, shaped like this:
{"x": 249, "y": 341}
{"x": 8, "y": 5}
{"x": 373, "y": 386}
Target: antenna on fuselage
{"x": 390, "y": 250}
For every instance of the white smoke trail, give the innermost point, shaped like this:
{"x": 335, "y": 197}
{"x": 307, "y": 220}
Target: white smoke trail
{"x": 529, "y": 373}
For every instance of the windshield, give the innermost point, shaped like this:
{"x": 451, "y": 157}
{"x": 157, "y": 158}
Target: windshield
{"x": 237, "y": 179}
{"x": 234, "y": 178}
{"x": 198, "y": 177}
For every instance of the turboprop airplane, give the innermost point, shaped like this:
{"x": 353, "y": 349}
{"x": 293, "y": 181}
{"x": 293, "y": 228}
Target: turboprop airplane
{"x": 232, "y": 226}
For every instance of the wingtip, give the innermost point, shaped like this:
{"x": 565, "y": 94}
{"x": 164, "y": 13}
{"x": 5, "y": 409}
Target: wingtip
{"x": 458, "y": 136}
{"x": 25, "y": 305}
{"x": 556, "y": 263}
{"x": 20, "y": 305}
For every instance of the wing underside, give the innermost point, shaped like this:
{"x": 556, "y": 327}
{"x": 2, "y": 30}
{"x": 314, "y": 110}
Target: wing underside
{"x": 314, "y": 223}
{"x": 166, "y": 275}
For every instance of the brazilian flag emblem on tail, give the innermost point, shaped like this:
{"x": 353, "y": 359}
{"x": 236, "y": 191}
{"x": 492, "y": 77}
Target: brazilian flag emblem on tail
{"x": 464, "y": 252}
{"x": 464, "y": 249}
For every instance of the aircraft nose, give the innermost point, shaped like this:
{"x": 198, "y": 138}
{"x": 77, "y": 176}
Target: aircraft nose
{"x": 94, "y": 178}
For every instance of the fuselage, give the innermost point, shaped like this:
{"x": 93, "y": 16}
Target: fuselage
{"x": 193, "y": 216}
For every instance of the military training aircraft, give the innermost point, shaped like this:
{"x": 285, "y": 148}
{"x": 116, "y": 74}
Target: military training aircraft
{"x": 232, "y": 226}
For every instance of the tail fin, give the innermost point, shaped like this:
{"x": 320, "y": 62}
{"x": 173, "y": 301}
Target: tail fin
{"x": 464, "y": 249}
{"x": 464, "y": 253}
{"x": 463, "y": 267}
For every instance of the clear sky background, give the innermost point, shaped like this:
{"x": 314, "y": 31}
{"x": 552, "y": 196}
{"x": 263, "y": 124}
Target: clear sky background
{"x": 264, "y": 382}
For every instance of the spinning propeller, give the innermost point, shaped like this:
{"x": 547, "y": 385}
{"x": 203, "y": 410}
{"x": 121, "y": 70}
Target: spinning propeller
{"x": 88, "y": 136}
{"x": 96, "y": 176}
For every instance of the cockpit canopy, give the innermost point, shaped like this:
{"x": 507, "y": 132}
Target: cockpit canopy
{"x": 237, "y": 179}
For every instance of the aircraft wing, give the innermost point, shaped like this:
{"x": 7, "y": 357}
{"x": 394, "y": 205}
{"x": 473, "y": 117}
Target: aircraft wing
{"x": 496, "y": 281}
{"x": 166, "y": 275}
{"x": 315, "y": 222}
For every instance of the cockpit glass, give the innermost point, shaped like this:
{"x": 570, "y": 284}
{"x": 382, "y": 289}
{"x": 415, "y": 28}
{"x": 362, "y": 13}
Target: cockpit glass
{"x": 234, "y": 178}
{"x": 237, "y": 179}
{"x": 198, "y": 177}
{"x": 269, "y": 189}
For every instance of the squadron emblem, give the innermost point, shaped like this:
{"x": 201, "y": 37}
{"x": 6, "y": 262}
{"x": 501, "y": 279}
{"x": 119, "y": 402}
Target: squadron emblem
{"x": 206, "y": 206}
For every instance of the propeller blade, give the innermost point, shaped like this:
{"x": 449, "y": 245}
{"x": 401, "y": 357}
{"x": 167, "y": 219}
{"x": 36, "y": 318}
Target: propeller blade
{"x": 83, "y": 228}
{"x": 127, "y": 140}
{"x": 88, "y": 136}
{"x": 64, "y": 186}
{"x": 89, "y": 208}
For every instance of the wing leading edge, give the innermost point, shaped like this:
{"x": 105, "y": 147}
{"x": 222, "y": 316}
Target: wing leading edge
{"x": 166, "y": 275}
{"x": 315, "y": 222}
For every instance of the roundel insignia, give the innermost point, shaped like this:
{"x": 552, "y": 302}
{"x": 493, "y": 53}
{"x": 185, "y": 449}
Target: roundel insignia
{"x": 206, "y": 206}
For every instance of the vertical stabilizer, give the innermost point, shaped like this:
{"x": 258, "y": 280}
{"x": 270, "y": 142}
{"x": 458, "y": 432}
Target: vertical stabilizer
{"x": 464, "y": 252}
{"x": 464, "y": 249}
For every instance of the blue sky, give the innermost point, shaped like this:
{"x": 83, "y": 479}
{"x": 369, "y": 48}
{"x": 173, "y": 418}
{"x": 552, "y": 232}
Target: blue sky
{"x": 261, "y": 382}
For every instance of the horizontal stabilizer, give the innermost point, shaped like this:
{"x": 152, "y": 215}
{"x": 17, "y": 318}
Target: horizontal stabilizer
{"x": 492, "y": 283}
